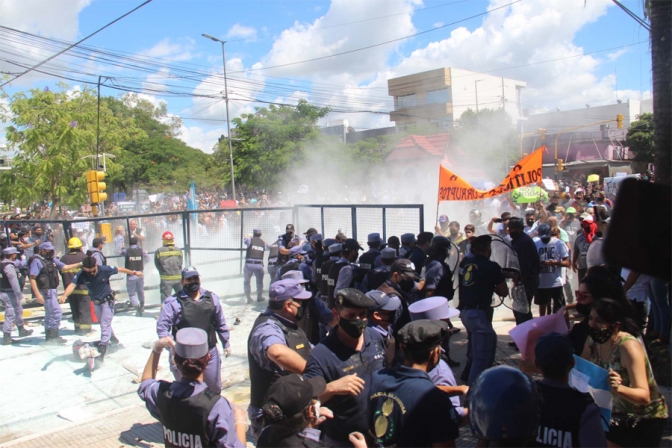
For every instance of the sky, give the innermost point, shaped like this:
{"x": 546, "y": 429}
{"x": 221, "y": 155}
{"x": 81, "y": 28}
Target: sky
{"x": 569, "y": 52}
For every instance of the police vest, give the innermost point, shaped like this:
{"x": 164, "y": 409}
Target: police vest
{"x": 445, "y": 286}
{"x": 90, "y": 253}
{"x": 261, "y": 379}
{"x": 378, "y": 276}
{"x": 273, "y": 254}
{"x": 185, "y": 420}
{"x": 560, "y": 417}
{"x": 255, "y": 250}
{"x": 135, "y": 259}
{"x": 199, "y": 314}
{"x": 283, "y": 256}
{"x": 4, "y": 281}
{"x": 68, "y": 275}
{"x": 48, "y": 276}
{"x": 332, "y": 279}
{"x": 291, "y": 265}
{"x": 323, "y": 280}
{"x": 366, "y": 262}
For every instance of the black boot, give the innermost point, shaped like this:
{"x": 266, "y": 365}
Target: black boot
{"x": 452, "y": 362}
{"x": 465, "y": 373}
{"x": 139, "y": 310}
{"x": 53, "y": 338}
{"x": 102, "y": 349}
{"x": 23, "y": 332}
{"x": 260, "y": 299}
{"x": 7, "y": 339}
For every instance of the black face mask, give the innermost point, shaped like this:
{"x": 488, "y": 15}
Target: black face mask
{"x": 584, "y": 309}
{"x": 300, "y": 312}
{"x": 192, "y": 287}
{"x": 49, "y": 255}
{"x": 406, "y": 285}
{"x": 601, "y": 335}
{"x": 352, "y": 327}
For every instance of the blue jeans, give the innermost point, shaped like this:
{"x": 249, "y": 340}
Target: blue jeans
{"x": 482, "y": 341}
{"x": 658, "y": 295}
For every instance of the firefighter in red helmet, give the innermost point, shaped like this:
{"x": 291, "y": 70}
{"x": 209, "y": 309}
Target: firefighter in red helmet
{"x": 168, "y": 261}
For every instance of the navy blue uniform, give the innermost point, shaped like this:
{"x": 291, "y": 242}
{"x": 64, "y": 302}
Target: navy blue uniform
{"x": 417, "y": 257}
{"x": 406, "y": 409}
{"x": 332, "y": 360}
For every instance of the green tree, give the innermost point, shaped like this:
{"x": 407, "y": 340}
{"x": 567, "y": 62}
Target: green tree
{"x": 640, "y": 138}
{"x": 272, "y": 140}
{"x": 50, "y": 134}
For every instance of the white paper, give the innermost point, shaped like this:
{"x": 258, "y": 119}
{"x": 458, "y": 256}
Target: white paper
{"x": 548, "y": 184}
{"x": 75, "y": 414}
{"x": 579, "y": 380}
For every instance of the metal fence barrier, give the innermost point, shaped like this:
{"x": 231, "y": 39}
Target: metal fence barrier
{"x": 212, "y": 240}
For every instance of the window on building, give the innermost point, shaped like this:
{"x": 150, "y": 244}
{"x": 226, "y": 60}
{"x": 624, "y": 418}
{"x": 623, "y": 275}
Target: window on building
{"x": 405, "y": 127}
{"x": 406, "y": 101}
{"x": 440, "y": 96}
{"x": 443, "y": 124}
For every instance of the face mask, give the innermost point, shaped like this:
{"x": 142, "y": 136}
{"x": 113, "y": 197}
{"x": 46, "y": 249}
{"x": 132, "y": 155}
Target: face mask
{"x": 300, "y": 312}
{"x": 583, "y": 309}
{"x": 407, "y": 285}
{"x": 192, "y": 287}
{"x": 49, "y": 255}
{"x": 454, "y": 232}
{"x": 601, "y": 335}
{"x": 352, "y": 327}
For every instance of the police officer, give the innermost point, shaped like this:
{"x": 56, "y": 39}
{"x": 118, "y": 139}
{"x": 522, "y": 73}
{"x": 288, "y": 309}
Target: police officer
{"x": 407, "y": 244}
{"x": 437, "y": 276}
{"x": 379, "y": 275}
{"x": 568, "y": 417}
{"x": 479, "y": 279}
{"x": 96, "y": 252}
{"x": 296, "y": 254}
{"x": 194, "y": 306}
{"x": 168, "y": 261}
{"x": 316, "y": 313}
{"x": 382, "y": 316}
{"x": 273, "y": 253}
{"x": 405, "y": 407}
{"x": 97, "y": 281}
{"x": 191, "y": 415}
{"x": 11, "y": 295}
{"x": 401, "y": 283}
{"x": 4, "y": 242}
{"x": 394, "y": 243}
{"x": 370, "y": 259}
{"x": 436, "y": 308}
{"x": 342, "y": 273}
{"x": 135, "y": 258}
{"x": 44, "y": 282}
{"x": 346, "y": 358}
{"x": 334, "y": 255}
{"x": 288, "y": 239}
{"x": 276, "y": 345}
{"x": 254, "y": 265}
{"x": 306, "y": 265}
{"x": 80, "y": 302}
{"x": 418, "y": 253}
{"x": 321, "y": 255}
{"x": 504, "y": 407}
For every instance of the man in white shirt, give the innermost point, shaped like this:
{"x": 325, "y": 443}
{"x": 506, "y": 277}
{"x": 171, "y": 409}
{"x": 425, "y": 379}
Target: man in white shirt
{"x": 553, "y": 256}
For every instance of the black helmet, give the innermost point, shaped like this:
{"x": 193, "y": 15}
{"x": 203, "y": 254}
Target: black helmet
{"x": 475, "y": 216}
{"x": 504, "y": 404}
{"x": 440, "y": 243}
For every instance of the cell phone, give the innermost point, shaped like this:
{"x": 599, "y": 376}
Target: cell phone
{"x": 498, "y": 220}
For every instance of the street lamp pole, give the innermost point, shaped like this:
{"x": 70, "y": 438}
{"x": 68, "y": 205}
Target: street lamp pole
{"x": 228, "y": 119}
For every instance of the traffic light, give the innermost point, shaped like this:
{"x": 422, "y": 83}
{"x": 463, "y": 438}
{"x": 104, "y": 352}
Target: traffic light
{"x": 542, "y": 131}
{"x": 561, "y": 166}
{"x": 619, "y": 121}
{"x": 95, "y": 187}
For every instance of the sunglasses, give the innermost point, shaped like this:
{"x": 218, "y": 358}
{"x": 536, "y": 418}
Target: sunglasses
{"x": 582, "y": 295}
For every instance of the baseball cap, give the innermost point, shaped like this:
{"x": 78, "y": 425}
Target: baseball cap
{"x": 191, "y": 343}
{"x": 443, "y": 218}
{"x": 97, "y": 241}
{"x": 586, "y": 216}
{"x": 571, "y": 210}
{"x": 286, "y": 289}
{"x": 383, "y": 301}
{"x": 351, "y": 244}
{"x": 432, "y": 308}
{"x": 316, "y": 237}
{"x": 47, "y": 246}
{"x": 554, "y": 350}
{"x": 404, "y": 266}
{"x": 544, "y": 231}
{"x": 293, "y": 393}
{"x": 311, "y": 231}
{"x": 296, "y": 250}
{"x": 189, "y": 272}
{"x": 423, "y": 333}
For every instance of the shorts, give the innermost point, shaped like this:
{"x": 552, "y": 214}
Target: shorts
{"x": 544, "y": 296}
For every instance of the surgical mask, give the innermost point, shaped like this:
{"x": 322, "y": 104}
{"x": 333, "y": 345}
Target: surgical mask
{"x": 406, "y": 285}
{"x": 352, "y": 327}
{"x": 601, "y": 335}
{"x": 192, "y": 287}
{"x": 454, "y": 231}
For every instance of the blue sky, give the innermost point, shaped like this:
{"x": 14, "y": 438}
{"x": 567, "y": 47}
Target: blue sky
{"x": 167, "y": 35}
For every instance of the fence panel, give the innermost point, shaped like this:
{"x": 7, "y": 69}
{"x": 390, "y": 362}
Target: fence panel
{"x": 403, "y": 219}
{"x": 369, "y": 220}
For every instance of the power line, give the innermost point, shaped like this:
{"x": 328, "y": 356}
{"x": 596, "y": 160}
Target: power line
{"x": 76, "y": 43}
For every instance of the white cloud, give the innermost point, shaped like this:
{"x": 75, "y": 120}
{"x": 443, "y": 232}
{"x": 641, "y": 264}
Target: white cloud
{"x": 182, "y": 50}
{"x": 197, "y": 137}
{"x": 157, "y": 81}
{"x": 242, "y": 31}
{"x": 617, "y": 54}
{"x": 438, "y": 24}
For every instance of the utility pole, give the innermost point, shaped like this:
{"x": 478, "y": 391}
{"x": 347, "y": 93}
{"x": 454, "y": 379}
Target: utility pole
{"x": 228, "y": 118}
{"x": 506, "y": 148}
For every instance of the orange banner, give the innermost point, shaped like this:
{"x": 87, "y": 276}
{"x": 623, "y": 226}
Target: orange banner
{"x": 528, "y": 171}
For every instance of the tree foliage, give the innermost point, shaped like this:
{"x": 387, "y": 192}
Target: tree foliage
{"x": 640, "y": 138}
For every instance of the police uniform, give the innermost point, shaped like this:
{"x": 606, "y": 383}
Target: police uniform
{"x": 273, "y": 254}
{"x": 254, "y": 265}
{"x": 45, "y": 272}
{"x": 190, "y": 414}
{"x": 334, "y": 256}
{"x": 97, "y": 254}
{"x": 478, "y": 279}
{"x": 316, "y": 312}
{"x": 168, "y": 261}
{"x": 80, "y": 301}
{"x": 135, "y": 285}
{"x": 381, "y": 274}
{"x": 293, "y": 264}
{"x": 438, "y": 278}
{"x": 370, "y": 259}
{"x": 332, "y": 359}
{"x": 306, "y": 265}
{"x": 11, "y": 295}
{"x": 270, "y": 329}
{"x": 181, "y": 311}
{"x": 417, "y": 257}
{"x": 405, "y": 406}
{"x": 103, "y": 299}
{"x": 405, "y": 249}
{"x": 343, "y": 273}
